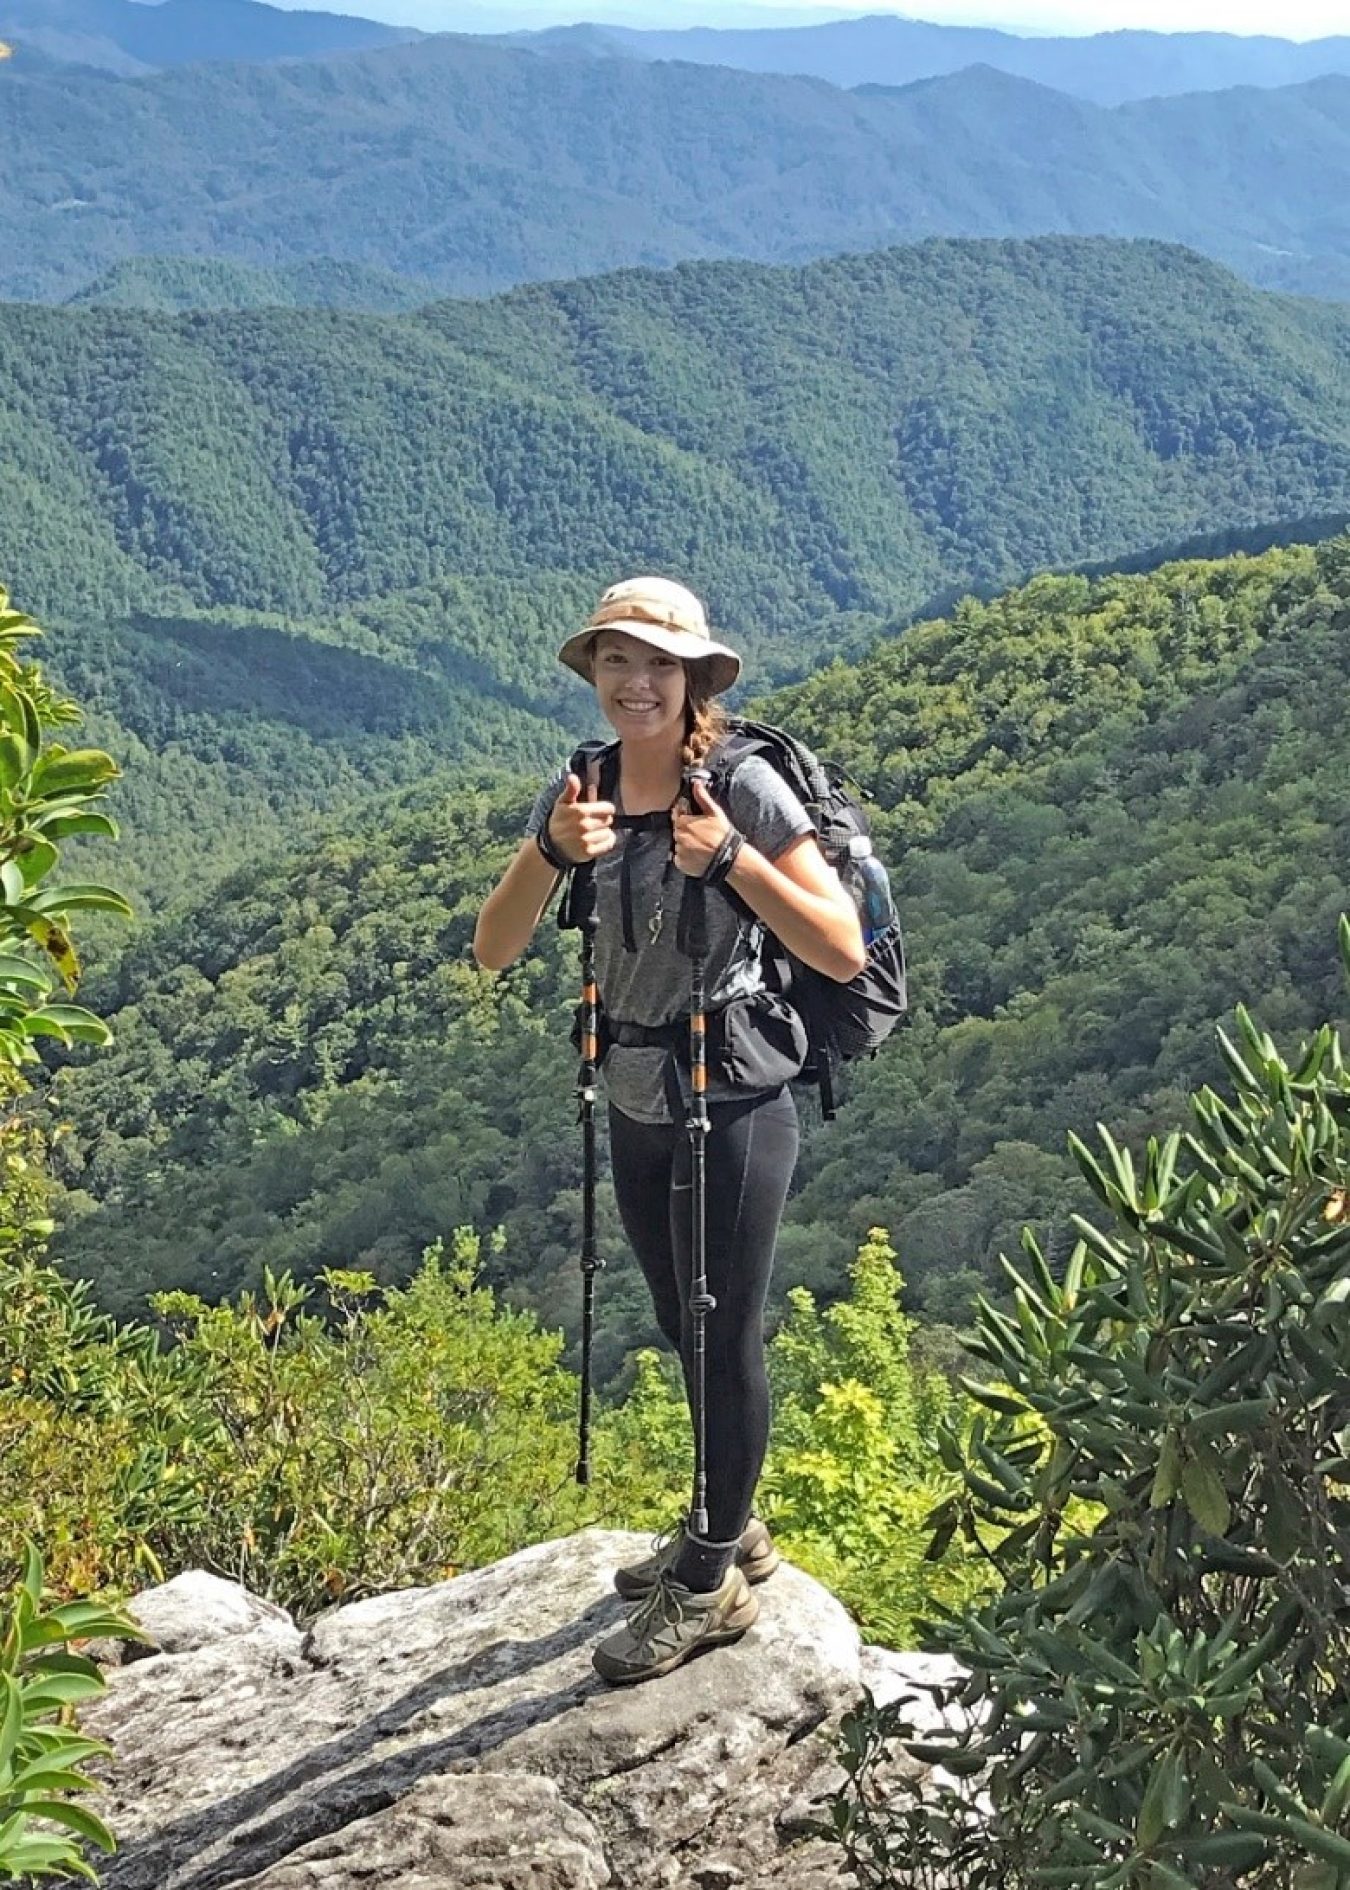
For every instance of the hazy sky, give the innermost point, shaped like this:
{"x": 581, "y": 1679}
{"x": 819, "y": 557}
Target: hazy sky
{"x": 1288, "y": 19}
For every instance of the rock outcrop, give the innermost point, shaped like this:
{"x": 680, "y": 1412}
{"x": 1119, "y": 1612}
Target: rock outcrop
{"x": 457, "y": 1735}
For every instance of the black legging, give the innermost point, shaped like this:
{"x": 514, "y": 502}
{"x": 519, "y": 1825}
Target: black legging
{"x": 751, "y": 1152}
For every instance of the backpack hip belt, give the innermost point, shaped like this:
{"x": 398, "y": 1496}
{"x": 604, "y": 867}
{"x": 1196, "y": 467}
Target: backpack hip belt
{"x": 754, "y": 1043}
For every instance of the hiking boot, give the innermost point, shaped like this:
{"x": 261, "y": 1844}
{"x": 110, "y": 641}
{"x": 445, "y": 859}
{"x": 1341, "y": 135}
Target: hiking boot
{"x": 756, "y": 1558}
{"x": 672, "y": 1624}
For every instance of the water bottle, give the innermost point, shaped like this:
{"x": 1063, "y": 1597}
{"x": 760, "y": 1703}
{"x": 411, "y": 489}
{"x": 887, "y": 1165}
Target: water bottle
{"x": 870, "y": 885}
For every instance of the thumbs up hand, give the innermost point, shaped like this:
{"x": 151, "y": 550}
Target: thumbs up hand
{"x": 700, "y": 827}
{"x": 581, "y": 825}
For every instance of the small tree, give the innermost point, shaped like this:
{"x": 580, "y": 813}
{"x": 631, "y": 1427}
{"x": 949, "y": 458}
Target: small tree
{"x": 852, "y": 1468}
{"x": 1159, "y": 1697}
{"x": 48, "y": 794}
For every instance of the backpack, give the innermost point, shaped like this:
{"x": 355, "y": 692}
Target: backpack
{"x": 843, "y": 1021}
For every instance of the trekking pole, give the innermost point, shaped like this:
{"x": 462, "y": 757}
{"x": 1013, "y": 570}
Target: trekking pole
{"x": 581, "y": 911}
{"x": 701, "y": 1302}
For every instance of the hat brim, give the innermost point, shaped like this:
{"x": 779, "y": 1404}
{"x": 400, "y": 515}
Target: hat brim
{"x": 723, "y": 665}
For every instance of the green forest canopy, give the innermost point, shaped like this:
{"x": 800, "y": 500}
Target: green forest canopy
{"x": 1114, "y": 805}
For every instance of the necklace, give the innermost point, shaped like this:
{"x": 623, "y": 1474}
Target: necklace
{"x": 658, "y": 917}
{"x": 631, "y": 824}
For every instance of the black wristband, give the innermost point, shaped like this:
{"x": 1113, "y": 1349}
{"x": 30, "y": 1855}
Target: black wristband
{"x": 558, "y": 861}
{"x": 724, "y": 859}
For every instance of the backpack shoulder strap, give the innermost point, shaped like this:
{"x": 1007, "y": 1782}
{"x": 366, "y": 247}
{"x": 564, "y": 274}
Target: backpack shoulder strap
{"x": 790, "y": 759}
{"x": 723, "y": 761}
{"x": 804, "y": 773}
{"x": 742, "y": 741}
{"x": 583, "y": 759}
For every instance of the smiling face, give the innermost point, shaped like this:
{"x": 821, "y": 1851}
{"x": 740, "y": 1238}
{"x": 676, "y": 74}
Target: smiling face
{"x": 641, "y": 689}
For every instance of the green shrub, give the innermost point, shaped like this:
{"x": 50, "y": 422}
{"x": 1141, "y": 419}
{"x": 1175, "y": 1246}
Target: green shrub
{"x": 310, "y": 1444}
{"x": 853, "y": 1468}
{"x": 1160, "y": 1471}
{"x": 384, "y": 1438}
{"x": 41, "y": 1679}
{"x": 329, "y": 1442}
{"x": 95, "y": 1423}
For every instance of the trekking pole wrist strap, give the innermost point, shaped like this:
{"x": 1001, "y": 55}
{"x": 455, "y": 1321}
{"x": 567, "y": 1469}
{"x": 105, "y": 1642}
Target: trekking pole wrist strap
{"x": 726, "y": 856}
{"x": 547, "y": 846}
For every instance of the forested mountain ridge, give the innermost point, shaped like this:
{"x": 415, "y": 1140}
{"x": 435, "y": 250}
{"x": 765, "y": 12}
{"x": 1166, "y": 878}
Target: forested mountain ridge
{"x": 885, "y": 49}
{"x": 260, "y": 727}
{"x": 1114, "y": 807}
{"x": 286, "y": 553}
{"x": 178, "y": 283}
{"x": 475, "y": 166}
{"x": 851, "y": 435}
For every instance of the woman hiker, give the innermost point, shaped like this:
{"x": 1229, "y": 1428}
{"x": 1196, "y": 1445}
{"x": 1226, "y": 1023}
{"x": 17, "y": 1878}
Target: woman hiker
{"x": 657, "y": 673}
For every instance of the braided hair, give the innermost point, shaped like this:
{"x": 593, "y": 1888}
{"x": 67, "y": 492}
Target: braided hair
{"x": 705, "y": 720}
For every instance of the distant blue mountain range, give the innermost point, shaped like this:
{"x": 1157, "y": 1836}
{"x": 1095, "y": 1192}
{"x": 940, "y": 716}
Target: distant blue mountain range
{"x": 129, "y": 36}
{"x": 1109, "y": 68}
{"x": 123, "y": 36}
{"x": 469, "y": 166}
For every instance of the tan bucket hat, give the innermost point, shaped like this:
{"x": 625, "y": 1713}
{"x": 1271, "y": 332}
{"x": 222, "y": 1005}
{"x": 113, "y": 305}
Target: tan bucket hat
{"x": 659, "y": 612}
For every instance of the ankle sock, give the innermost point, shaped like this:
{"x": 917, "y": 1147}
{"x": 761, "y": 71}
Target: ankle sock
{"x": 702, "y": 1565}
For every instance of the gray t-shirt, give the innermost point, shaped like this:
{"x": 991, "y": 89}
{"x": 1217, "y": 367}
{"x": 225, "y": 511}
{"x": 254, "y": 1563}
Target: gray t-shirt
{"x": 651, "y": 985}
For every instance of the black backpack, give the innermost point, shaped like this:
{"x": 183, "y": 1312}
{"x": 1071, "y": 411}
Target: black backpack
{"x": 843, "y": 1021}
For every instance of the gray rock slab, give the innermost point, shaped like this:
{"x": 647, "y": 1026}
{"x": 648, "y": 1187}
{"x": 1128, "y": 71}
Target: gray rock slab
{"x": 475, "y": 1833}
{"x": 195, "y": 1609}
{"x": 461, "y": 1729}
